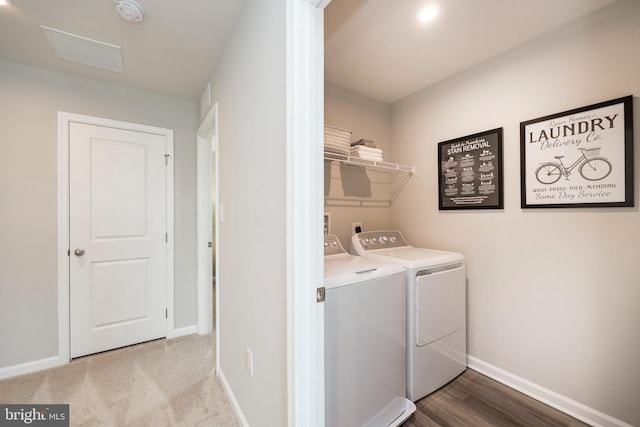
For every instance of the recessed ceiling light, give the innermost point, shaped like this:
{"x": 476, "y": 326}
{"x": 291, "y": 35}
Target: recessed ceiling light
{"x": 427, "y": 14}
{"x": 5, "y": 2}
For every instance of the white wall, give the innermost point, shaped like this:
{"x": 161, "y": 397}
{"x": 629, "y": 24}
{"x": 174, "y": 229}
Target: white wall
{"x": 30, "y": 99}
{"x": 249, "y": 86}
{"x": 553, "y": 293}
{"x": 369, "y": 119}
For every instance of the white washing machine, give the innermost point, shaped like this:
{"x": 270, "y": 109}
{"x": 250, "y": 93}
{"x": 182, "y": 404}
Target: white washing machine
{"x": 436, "y": 308}
{"x": 365, "y": 340}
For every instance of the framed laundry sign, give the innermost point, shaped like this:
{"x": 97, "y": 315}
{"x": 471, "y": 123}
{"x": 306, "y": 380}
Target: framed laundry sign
{"x": 471, "y": 172}
{"x": 579, "y": 158}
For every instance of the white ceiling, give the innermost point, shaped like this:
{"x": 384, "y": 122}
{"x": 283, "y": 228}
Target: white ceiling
{"x": 374, "y": 47}
{"x": 378, "y": 47}
{"x": 172, "y": 52}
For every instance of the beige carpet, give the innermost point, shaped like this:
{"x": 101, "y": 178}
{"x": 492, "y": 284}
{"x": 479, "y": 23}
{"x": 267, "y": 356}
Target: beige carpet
{"x": 159, "y": 383}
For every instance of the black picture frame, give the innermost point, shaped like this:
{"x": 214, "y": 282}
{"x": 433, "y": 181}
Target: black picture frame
{"x": 580, "y": 158}
{"x": 470, "y": 172}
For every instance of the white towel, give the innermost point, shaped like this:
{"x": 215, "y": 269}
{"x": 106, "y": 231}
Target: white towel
{"x": 372, "y": 157}
{"x": 337, "y": 133}
{"x": 368, "y": 150}
{"x": 336, "y": 148}
{"x": 336, "y": 143}
{"x": 336, "y": 151}
{"x": 336, "y": 130}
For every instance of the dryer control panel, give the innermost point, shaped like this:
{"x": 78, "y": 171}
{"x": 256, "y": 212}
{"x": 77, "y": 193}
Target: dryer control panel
{"x": 370, "y": 240}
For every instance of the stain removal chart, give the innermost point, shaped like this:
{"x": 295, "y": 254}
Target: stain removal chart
{"x": 471, "y": 172}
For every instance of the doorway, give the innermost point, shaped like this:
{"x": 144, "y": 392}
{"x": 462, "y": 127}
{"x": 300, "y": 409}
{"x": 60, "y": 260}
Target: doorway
{"x": 207, "y": 220}
{"x": 115, "y": 234}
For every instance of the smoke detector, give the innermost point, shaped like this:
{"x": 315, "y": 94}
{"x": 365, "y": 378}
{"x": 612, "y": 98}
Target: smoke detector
{"x": 129, "y": 10}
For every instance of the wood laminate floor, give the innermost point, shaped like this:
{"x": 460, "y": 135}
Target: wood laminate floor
{"x": 474, "y": 400}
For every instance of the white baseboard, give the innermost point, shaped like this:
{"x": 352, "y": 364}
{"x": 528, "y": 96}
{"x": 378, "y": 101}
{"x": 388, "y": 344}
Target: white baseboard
{"x": 28, "y": 367}
{"x": 52, "y": 362}
{"x": 544, "y": 395}
{"x": 180, "y": 332}
{"x": 234, "y": 403}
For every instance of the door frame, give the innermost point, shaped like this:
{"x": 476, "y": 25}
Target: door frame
{"x": 207, "y": 131}
{"x": 64, "y": 308}
{"x": 304, "y": 147}
{"x": 304, "y": 169}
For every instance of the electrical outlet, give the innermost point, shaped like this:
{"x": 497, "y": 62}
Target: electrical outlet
{"x": 356, "y": 227}
{"x": 249, "y": 362}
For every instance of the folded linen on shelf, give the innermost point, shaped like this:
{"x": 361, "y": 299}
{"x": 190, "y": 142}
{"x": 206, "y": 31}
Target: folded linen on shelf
{"x": 337, "y": 140}
{"x": 368, "y": 150}
{"x": 364, "y": 142}
{"x": 336, "y": 131}
{"x": 336, "y": 145}
{"x": 365, "y": 156}
{"x": 366, "y": 153}
{"x": 336, "y": 148}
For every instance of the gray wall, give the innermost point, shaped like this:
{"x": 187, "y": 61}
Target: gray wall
{"x": 249, "y": 85}
{"x": 553, "y": 294}
{"x": 30, "y": 99}
{"x": 369, "y": 119}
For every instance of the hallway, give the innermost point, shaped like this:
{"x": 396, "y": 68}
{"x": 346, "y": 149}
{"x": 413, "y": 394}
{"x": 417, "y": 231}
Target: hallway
{"x": 162, "y": 382}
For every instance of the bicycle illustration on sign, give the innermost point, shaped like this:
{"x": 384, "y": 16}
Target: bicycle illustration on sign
{"x": 590, "y": 166}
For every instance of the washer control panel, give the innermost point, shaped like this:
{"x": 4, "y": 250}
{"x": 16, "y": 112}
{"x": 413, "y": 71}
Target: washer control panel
{"x": 332, "y": 245}
{"x": 370, "y": 240}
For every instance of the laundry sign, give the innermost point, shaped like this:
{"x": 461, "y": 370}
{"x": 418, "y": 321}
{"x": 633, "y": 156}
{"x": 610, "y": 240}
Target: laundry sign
{"x": 579, "y": 158}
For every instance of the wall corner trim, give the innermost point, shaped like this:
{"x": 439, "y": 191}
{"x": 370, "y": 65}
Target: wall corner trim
{"x": 181, "y": 332}
{"x": 555, "y": 400}
{"x": 234, "y": 402}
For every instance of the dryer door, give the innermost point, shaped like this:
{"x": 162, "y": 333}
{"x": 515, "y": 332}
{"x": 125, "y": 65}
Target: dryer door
{"x": 440, "y": 303}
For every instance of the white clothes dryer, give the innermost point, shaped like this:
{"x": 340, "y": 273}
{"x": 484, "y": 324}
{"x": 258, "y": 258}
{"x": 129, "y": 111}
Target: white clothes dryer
{"x": 436, "y": 308}
{"x": 365, "y": 340}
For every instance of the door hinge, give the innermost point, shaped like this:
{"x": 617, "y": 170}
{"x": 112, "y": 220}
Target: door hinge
{"x": 320, "y": 294}
{"x": 68, "y": 252}
{"x": 166, "y": 237}
{"x": 166, "y": 313}
{"x": 166, "y": 159}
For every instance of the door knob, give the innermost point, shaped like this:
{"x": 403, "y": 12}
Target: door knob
{"x": 79, "y": 252}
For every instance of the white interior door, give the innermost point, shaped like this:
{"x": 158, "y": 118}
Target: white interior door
{"x": 117, "y": 235}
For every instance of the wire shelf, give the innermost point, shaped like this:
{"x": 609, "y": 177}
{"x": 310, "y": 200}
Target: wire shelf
{"x": 352, "y": 181}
